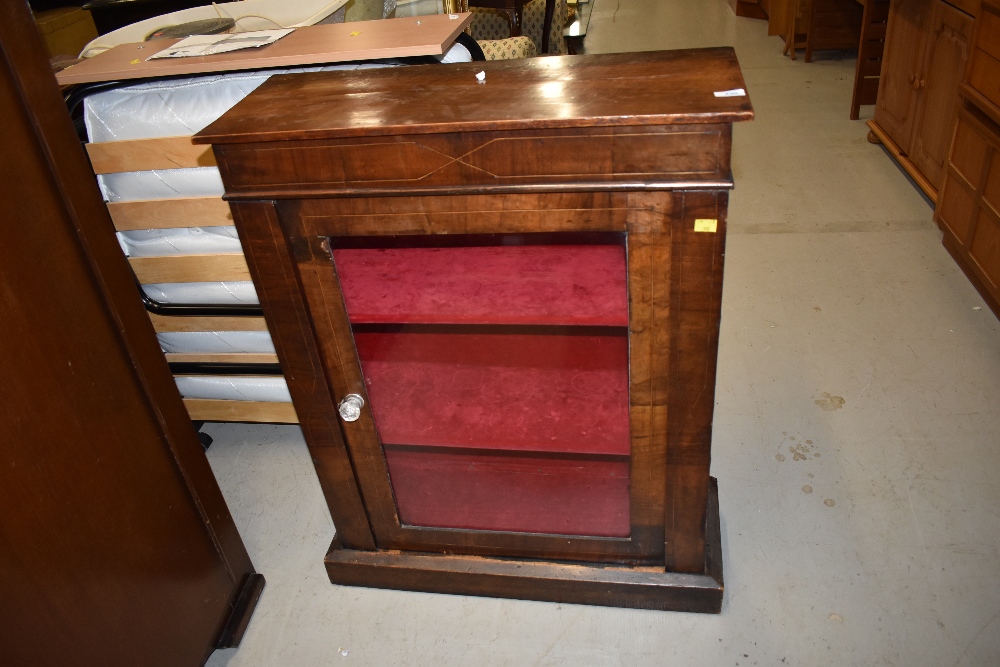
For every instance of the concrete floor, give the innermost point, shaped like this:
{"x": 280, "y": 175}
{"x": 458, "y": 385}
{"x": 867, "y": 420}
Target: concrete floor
{"x": 856, "y": 429}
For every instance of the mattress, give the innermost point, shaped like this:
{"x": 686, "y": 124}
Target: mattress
{"x": 207, "y": 342}
{"x": 234, "y": 387}
{"x": 182, "y": 107}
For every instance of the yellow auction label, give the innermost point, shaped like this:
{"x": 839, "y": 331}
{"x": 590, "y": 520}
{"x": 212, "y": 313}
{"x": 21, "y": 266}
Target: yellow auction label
{"x": 706, "y": 225}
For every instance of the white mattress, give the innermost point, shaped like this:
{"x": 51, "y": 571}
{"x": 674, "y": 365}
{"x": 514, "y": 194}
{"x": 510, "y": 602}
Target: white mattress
{"x": 241, "y": 292}
{"x": 207, "y": 342}
{"x": 271, "y": 389}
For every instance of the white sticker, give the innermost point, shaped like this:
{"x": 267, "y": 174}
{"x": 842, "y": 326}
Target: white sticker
{"x": 481, "y": 77}
{"x": 735, "y": 92}
{"x": 453, "y": 17}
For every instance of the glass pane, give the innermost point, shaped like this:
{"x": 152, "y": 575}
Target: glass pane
{"x": 497, "y": 372}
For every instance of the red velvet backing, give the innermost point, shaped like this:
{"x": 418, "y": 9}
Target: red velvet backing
{"x": 555, "y": 284}
{"x": 524, "y": 400}
{"x": 510, "y": 493}
{"x": 552, "y": 393}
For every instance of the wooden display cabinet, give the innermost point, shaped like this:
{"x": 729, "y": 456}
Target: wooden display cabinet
{"x": 969, "y": 209}
{"x": 497, "y": 307}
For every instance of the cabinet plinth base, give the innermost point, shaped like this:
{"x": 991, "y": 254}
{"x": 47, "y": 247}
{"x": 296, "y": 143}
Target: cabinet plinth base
{"x": 578, "y": 583}
{"x": 902, "y": 159}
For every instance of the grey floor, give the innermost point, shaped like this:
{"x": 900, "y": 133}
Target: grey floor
{"x": 857, "y": 429}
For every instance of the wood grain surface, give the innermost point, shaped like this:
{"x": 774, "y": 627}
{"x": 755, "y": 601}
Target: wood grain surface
{"x": 626, "y": 89}
{"x": 311, "y": 45}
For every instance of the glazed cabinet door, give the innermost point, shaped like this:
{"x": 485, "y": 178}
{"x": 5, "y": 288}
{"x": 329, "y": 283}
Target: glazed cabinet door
{"x": 899, "y": 82}
{"x": 937, "y": 81}
{"x": 501, "y": 365}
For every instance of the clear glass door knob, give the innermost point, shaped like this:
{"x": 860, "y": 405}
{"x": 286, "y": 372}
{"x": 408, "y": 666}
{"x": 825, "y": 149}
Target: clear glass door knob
{"x": 350, "y": 407}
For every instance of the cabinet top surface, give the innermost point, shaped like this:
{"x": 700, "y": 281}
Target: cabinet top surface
{"x": 627, "y": 89}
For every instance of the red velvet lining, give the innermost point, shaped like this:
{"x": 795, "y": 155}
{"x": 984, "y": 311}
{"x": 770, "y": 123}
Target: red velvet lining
{"x": 510, "y": 493}
{"x": 554, "y": 284}
{"x": 553, "y": 393}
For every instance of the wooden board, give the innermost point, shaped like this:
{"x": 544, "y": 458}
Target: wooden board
{"x": 186, "y": 323}
{"x": 143, "y": 154}
{"x": 170, "y": 213}
{"x": 221, "y": 357}
{"x": 190, "y": 268}
{"x": 209, "y": 410}
{"x": 312, "y": 45}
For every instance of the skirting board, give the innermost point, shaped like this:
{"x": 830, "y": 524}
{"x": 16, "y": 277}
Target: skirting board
{"x": 578, "y": 583}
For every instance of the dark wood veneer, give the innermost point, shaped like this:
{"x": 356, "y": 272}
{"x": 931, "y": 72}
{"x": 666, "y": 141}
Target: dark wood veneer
{"x": 632, "y": 145}
{"x": 116, "y": 545}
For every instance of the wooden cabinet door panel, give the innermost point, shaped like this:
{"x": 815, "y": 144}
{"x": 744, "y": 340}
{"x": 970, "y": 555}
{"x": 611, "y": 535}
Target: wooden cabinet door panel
{"x": 937, "y": 82}
{"x": 985, "y": 250}
{"x": 897, "y": 96}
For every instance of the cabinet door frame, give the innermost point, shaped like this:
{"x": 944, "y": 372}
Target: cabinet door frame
{"x": 937, "y": 85}
{"x": 906, "y": 36}
{"x": 644, "y": 218}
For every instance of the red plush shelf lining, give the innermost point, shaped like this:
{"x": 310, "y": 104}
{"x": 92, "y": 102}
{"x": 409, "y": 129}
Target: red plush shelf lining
{"x": 550, "y": 392}
{"x": 510, "y": 493}
{"x": 533, "y": 284}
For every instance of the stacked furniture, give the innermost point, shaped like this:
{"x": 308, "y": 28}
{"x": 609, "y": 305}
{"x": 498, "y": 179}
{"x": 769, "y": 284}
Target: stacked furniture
{"x": 927, "y": 45}
{"x": 968, "y": 209}
{"x": 502, "y": 342}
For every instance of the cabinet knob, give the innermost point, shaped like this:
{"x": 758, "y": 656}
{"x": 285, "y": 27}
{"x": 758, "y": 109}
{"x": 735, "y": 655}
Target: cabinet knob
{"x": 350, "y": 407}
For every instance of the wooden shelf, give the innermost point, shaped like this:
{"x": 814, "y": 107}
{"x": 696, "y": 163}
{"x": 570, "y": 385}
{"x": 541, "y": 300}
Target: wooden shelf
{"x": 549, "y": 285}
{"x": 556, "y": 393}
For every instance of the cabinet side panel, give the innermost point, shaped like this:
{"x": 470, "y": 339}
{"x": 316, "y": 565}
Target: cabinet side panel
{"x": 696, "y": 300}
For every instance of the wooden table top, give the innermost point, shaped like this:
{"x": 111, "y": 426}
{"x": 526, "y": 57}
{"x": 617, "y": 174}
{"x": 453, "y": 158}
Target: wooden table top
{"x": 312, "y": 45}
{"x": 627, "y": 89}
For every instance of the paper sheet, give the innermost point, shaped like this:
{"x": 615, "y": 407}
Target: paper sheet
{"x": 207, "y": 45}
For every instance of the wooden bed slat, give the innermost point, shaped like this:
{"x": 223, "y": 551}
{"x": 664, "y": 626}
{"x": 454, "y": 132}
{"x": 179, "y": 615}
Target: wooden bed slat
{"x": 145, "y": 154}
{"x": 167, "y": 323}
{"x": 222, "y": 358}
{"x": 170, "y": 213}
{"x": 190, "y": 268}
{"x": 204, "y": 409}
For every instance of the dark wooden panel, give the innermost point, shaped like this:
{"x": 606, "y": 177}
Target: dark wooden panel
{"x": 116, "y": 546}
